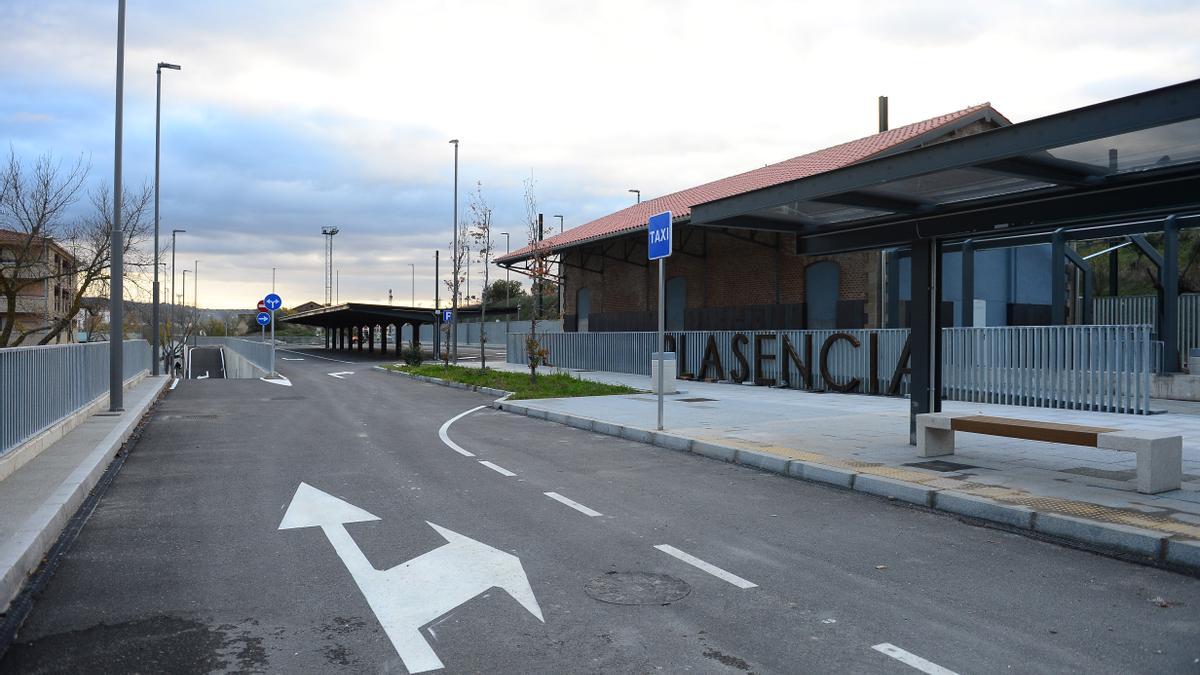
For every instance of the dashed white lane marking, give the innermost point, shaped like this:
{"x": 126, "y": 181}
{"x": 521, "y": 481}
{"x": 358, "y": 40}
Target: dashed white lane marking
{"x": 497, "y": 468}
{"x": 284, "y": 358}
{"x": 446, "y": 438}
{"x": 707, "y": 567}
{"x": 312, "y": 355}
{"x": 910, "y": 659}
{"x": 573, "y": 504}
{"x": 175, "y": 384}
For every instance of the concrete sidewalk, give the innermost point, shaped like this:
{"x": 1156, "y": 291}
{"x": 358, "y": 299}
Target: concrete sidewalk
{"x": 861, "y": 442}
{"x": 39, "y": 498}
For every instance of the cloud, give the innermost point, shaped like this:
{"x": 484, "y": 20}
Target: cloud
{"x": 293, "y": 114}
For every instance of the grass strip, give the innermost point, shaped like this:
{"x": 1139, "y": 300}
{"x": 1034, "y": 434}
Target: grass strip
{"x": 556, "y": 385}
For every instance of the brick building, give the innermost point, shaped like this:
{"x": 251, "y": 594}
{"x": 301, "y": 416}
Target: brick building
{"x": 728, "y": 279}
{"x": 52, "y": 292}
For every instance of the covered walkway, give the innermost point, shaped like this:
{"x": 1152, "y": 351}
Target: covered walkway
{"x": 362, "y": 326}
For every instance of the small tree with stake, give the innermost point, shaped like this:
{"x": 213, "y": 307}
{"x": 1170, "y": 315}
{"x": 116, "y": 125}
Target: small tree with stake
{"x": 480, "y": 218}
{"x": 539, "y": 269}
{"x": 458, "y": 264}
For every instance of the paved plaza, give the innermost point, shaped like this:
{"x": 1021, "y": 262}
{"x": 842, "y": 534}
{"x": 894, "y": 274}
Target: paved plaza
{"x": 869, "y": 434}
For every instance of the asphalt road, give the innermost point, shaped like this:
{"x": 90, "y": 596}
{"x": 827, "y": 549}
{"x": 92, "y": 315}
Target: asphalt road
{"x": 183, "y": 566}
{"x": 207, "y": 362}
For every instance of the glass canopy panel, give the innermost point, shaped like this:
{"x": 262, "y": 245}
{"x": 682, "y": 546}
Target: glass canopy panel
{"x": 1164, "y": 146}
{"x": 820, "y": 213}
{"x": 960, "y": 185}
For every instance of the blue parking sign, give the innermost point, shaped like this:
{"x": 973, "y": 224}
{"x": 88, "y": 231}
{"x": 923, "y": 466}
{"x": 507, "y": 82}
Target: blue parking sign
{"x": 659, "y": 231}
{"x": 447, "y": 315}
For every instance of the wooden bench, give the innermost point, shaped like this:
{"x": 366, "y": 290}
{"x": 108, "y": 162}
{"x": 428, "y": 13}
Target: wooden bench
{"x": 1159, "y": 457}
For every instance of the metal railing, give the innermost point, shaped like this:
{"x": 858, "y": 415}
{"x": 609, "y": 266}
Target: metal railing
{"x": 1143, "y": 309}
{"x": 41, "y": 386}
{"x": 1078, "y": 367}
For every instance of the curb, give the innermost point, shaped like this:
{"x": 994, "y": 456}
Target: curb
{"x": 1139, "y": 544}
{"x": 21, "y": 554}
{"x": 499, "y": 393}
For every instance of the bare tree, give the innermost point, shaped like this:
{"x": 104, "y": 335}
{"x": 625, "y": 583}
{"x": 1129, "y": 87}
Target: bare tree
{"x": 479, "y": 214}
{"x": 538, "y": 270}
{"x": 33, "y": 206}
{"x": 458, "y": 265}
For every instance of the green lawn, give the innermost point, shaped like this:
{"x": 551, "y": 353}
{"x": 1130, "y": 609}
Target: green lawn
{"x": 560, "y": 385}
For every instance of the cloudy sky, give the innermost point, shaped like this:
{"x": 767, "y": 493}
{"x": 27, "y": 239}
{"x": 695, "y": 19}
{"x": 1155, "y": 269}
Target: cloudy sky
{"x": 290, "y": 115}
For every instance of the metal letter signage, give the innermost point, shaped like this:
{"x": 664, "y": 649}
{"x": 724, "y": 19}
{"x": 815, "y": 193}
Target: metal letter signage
{"x": 659, "y": 231}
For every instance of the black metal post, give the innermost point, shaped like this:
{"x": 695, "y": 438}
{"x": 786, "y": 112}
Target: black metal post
{"x": 1114, "y": 272}
{"x": 116, "y": 306}
{"x": 1168, "y": 307}
{"x": 1058, "y": 278}
{"x": 925, "y": 392}
{"x": 892, "y": 257}
{"x": 968, "y": 283}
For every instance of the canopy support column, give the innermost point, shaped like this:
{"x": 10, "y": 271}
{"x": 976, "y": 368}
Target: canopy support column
{"x": 925, "y": 390}
{"x": 968, "y": 283}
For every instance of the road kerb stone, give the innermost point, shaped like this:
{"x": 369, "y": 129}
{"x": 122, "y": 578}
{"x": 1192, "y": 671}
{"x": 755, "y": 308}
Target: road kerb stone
{"x": 763, "y": 460}
{"x": 1104, "y": 535}
{"x": 606, "y": 428}
{"x": 536, "y": 412}
{"x": 556, "y": 417}
{"x": 913, "y": 493}
{"x": 580, "y": 422}
{"x": 635, "y": 434}
{"x": 985, "y": 509}
{"x": 823, "y": 474}
{"x": 1184, "y": 553}
{"x": 724, "y": 453}
{"x": 671, "y": 441}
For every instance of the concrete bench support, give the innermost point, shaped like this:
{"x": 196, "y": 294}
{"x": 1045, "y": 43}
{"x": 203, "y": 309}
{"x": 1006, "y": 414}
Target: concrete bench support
{"x": 1159, "y": 457}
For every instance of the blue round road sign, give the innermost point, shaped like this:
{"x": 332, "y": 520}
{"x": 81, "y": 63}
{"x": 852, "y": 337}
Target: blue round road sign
{"x": 273, "y": 302}
{"x": 263, "y": 318}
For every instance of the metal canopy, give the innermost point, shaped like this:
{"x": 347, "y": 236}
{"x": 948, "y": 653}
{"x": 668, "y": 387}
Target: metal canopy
{"x": 1136, "y": 156}
{"x": 358, "y": 314}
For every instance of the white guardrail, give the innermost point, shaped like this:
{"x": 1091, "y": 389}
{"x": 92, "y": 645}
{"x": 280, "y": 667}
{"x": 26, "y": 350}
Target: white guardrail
{"x": 1078, "y": 367}
{"x": 40, "y": 386}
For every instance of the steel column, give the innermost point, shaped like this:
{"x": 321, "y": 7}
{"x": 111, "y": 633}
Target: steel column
{"x": 968, "y": 283}
{"x": 893, "y": 287}
{"x": 1168, "y": 306}
{"x": 1058, "y": 278}
{"x": 926, "y": 336}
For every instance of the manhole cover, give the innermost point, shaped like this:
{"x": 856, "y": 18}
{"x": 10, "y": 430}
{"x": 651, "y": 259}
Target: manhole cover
{"x": 694, "y": 400}
{"x": 637, "y": 588}
{"x": 941, "y": 465}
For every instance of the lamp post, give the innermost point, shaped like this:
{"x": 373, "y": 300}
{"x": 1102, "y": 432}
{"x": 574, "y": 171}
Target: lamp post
{"x": 183, "y": 301}
{"x": 328, "y": 233}
{"x": 196, "y": 298}
{"x": 116, "y": 314}
{"x": 507, "y": 292}
{"x": 414, "y": 284}
{"x": 560, "y": 274}
{"x": 639, "y": 195}
{"x": 272, "y": 279}
{"x": 156, "y": 346}
{"x": 454, "y": 265}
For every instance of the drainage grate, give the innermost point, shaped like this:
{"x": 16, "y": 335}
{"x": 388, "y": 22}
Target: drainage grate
{"x": 694, "y": 400}
{"x": 941, "y": 465}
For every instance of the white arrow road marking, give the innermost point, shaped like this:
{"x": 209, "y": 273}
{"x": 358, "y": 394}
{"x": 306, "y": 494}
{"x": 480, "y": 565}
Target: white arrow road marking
{"x": 174, "y": 384}
{"x": 413, "y": 593}
{"x": 284, "y": 358}
{"x": 573, "y": 504}
{"x": 281, "y": 380}
{"x": 339, "y": 375}
{"x": 910, "y": 659}
{"x": 707, "y": 567}
{"x": 446, "y": 438}
{"x": 497, "y": 468}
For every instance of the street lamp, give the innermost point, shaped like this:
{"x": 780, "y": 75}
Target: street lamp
{"x": 171, "y": 330}
{"x": 414, "y": 284}
{"x": 116, "y": 307}
{"x": 183, "y": 300}
{"x": 454, "y": 264}
{"x": 196, "y": 298}
{"x": 507, "y": 289}
{"x": 156, "y": 346}
{"x": 639, "y": 195}
{"x": 328, "y": 233}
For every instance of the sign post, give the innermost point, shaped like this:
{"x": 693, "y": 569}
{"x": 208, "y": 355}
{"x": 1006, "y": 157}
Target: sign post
{"x": 262, "y": 327}
{"x": 273, "y": 302}
{"x": 658, "y": 248}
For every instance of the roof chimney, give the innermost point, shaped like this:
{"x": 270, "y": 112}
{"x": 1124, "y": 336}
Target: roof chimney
{"x": 883, "y": 120}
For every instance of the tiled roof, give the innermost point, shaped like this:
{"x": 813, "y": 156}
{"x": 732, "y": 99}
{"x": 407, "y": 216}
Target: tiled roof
{"x": 680, "y": 203}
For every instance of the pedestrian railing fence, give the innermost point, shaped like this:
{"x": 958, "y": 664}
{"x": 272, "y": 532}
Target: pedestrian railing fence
{"x": 1077, "y": 367}
{"x": 41, "y": 386}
